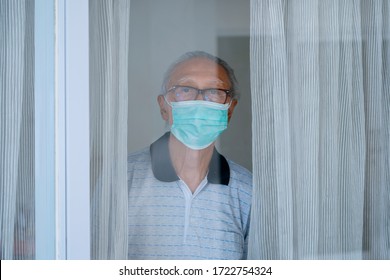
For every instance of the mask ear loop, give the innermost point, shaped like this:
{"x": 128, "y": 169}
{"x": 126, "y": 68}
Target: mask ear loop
{"x": 169, "y": 103}
{"x": 230, "y": 103}
{"x": 167, "y": 125}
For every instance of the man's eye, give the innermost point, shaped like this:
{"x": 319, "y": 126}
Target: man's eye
{"x": 185, "y": 90}
{"x": 212, "y": 91}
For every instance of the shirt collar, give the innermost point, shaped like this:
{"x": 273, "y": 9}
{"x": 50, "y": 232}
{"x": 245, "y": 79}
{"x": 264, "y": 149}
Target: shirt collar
{"x": 219, "y": 171}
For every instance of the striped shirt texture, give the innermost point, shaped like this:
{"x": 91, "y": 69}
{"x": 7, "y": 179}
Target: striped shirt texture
{"x": 167, "y": 221}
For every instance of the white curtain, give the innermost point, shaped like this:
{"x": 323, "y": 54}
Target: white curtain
{"x": 17, "y": 233}
{"x": 320, "y": 80}
{"x": 109, "y": 46}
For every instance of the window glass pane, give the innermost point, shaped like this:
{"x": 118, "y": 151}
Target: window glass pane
{"x": 172, "y": 218}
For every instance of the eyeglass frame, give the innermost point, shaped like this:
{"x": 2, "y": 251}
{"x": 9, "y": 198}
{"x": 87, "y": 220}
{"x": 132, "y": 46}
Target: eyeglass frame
{"x": 201, "y": 91}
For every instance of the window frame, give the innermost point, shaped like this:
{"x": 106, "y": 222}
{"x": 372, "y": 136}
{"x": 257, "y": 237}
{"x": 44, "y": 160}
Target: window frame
{"x": 62, "y": 129}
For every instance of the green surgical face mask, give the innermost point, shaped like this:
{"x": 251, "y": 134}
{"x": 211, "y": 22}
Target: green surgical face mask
{"x": 198, "y": 123}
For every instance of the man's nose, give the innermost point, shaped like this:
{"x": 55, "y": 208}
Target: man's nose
{"x": 199, "y": 96}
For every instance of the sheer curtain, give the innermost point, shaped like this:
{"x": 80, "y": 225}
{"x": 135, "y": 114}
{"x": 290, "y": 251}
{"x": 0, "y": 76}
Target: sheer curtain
{"x": 109, "y": 41}
{"x": 320, "y": 79}
{"x": 17, "y": 130}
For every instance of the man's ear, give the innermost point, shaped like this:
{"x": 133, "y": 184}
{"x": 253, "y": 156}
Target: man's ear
{"x": 231, "y": 108}
{"x": 163, "y": 111}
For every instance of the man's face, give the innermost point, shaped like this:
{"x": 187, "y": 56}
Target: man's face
{"x": 199, "y": 73}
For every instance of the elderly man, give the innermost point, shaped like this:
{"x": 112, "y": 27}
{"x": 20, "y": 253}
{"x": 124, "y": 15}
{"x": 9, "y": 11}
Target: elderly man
{"x": 187, "y": 201}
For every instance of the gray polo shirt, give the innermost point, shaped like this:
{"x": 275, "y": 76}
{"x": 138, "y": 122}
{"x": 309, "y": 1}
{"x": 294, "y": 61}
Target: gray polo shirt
{"x": 167, "y": 221}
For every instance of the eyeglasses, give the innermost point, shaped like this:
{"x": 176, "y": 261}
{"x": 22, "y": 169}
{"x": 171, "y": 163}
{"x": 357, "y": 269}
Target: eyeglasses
{"x": 186, "y": 93}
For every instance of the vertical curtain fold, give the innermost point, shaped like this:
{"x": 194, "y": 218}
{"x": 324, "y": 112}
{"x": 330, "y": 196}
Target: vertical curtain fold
{"x": 386, "y": 107}
{"x": 109, "y": 43}
{"x": 17, "y": 218}
{"x": 376, "y": 191}
{"x": 320, "y": 93}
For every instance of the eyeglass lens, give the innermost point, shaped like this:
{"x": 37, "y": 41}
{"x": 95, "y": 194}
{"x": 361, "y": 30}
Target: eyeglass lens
{"x": 182, "y": 93}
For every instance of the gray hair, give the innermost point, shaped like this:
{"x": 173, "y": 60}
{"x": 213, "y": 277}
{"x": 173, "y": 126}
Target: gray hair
{"x": 201, "y": 54}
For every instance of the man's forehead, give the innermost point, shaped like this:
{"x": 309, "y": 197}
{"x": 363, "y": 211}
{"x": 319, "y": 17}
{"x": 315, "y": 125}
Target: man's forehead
{"x": 191, "y": 69}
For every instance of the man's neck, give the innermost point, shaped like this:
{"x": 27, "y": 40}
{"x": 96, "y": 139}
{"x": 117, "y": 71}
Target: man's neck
{"x": 190, "y": 165}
